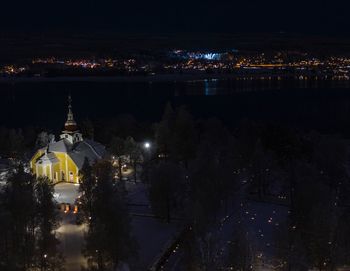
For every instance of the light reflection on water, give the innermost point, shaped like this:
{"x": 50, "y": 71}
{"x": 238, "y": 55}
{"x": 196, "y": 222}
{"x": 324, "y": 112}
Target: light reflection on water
{"x": 210, "y": 87}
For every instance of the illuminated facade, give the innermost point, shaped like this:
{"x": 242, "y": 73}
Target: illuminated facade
{"x": 61, "y": 160}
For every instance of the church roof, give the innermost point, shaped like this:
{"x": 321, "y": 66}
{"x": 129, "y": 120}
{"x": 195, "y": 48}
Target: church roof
{"x": 78, "y": 152}
{"x": 48, "y": 158}
{"x": 60, "y": 146}
{"x": 87, "y": 149}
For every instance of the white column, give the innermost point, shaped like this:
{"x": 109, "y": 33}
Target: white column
{"x": 66, "y": 174}
{"x": 51, "y": 172}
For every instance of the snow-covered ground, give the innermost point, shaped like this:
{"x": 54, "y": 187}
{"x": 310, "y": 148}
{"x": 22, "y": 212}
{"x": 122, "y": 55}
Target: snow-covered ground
{"x": 258, "y": 221}
{"x": 151, "y": 234}
{"x": 66, "y": 192}
{"x": 4, "y": 172}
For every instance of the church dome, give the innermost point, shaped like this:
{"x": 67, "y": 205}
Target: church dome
{"x": 70, "y": 126}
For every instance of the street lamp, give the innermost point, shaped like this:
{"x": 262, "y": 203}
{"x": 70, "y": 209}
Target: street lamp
{"x": 147, "y": 151}
{"x": 147, "y": 145}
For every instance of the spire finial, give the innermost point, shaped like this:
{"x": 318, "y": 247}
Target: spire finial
{"x": 70, "y": 112}
{"x": 69, "y": 100}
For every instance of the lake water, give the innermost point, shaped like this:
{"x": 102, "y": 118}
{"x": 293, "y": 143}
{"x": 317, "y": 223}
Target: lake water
{"x": 324, "y": 106}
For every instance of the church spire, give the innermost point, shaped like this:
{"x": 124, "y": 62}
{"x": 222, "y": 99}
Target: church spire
{"x": 70, "y": 126}
{"x": 70, "y": 113}
{"x": 71, "y": 131}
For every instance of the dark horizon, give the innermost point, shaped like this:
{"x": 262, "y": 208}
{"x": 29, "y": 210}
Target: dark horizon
{"x": 182, "y": 16}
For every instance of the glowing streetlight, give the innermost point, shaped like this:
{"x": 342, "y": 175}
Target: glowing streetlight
{"x": 147, "y": 145}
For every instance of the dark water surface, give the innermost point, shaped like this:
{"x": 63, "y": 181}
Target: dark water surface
{"x": 326, "y": 109}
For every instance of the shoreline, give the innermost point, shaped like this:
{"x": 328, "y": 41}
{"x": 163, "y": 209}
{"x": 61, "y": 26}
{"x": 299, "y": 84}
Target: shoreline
{"x": 121, "y": 78}
{"x": 166, "y": 78}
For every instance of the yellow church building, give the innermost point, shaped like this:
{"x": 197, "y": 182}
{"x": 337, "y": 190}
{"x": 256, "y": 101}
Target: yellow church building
{"x": 61, "y": 160}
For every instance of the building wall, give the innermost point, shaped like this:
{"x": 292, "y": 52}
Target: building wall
{"x": 34, "y": 158}
{"x": 65, "y": 170}
{"x": 67, "y": 166}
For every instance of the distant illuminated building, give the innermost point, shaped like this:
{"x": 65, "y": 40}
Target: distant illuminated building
{"x": 207, "y": 56}
{"x": 201, "y": 55}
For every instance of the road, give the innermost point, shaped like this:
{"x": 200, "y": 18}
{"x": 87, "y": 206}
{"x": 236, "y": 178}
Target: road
{"x": 70, "y": 234}
{"x": 71, "y": 238}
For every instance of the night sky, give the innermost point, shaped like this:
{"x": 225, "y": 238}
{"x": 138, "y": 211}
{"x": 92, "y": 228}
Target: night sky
{"x": 156, "y": 16}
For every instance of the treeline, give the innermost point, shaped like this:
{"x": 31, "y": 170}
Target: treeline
{"x": 194, "y": 170}
{"x": 197, "y": 167}
{"x": 21, "y": 143}
{"x": 15, "y": 143}
{"x": 28, "y": 220}
{"x": 108, "y": 241}
{"x": 200, "y": 166}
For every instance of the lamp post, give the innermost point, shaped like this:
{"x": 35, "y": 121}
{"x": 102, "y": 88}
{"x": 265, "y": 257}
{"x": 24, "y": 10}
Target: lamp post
{"x": 147, "y": 149}
{"x": 43, "y": 265}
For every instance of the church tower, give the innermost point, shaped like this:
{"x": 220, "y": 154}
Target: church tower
{"x": 71, "y": 131}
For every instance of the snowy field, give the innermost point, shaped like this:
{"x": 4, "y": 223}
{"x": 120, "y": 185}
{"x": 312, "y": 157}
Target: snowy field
{"x": 256, "y": 220}
{"x": 151, "y": 234}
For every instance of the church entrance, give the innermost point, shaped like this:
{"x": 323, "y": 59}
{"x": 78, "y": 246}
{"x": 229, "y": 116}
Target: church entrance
{"x": 71, "y": 176}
